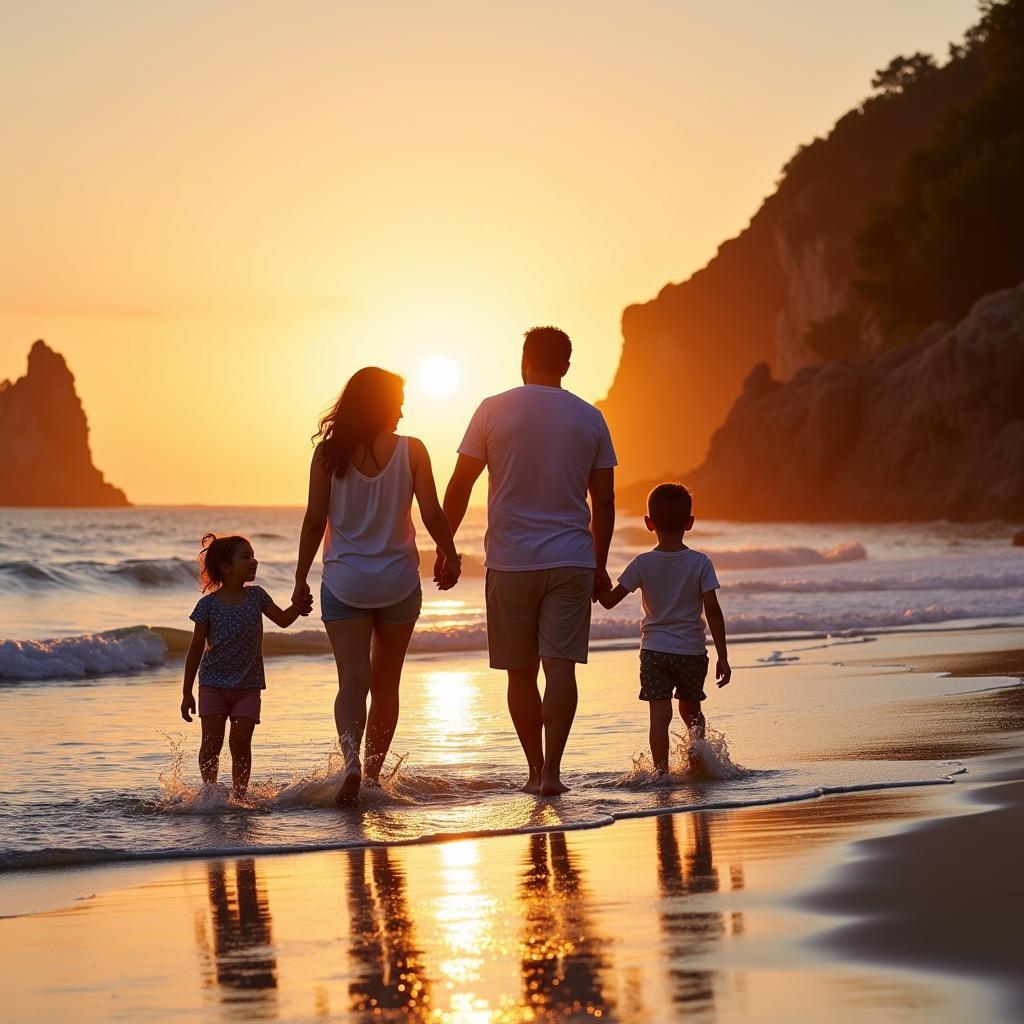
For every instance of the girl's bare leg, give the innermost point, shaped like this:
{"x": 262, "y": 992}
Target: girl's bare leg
{"x": 661, "y": 719}
{"x": 390, "y": 642}
{"x": 209, "y": 746}
{"x": 350, "y": 641}
{"x": 240, "y": 742}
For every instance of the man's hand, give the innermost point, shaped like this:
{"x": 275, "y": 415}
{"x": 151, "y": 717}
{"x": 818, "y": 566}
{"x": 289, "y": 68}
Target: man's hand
{"x": 602, "y": 582}
{"x": 438, "y": 567}
{"x": 449, "y": 573}
{"x": 722, "y": 672}
{"x": 188, "y": 706}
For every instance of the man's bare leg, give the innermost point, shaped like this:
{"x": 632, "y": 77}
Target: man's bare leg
{"x": 559, "y": 710}
{"x": 524, "y": 705}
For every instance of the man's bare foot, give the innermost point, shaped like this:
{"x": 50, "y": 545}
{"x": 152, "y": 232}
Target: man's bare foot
{"x": 349, "y": 792}
{"x": 532, "y": 785}
{"x": 554, "y": 787}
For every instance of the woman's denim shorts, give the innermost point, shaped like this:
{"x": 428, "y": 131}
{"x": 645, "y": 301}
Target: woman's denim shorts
{"x": 401, "y": 613}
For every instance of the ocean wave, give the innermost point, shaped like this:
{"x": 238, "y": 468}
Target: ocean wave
{"x": 954, "y": 578}
{"x": 784, "y": 557}
{"x": 142, "y": 572}
{"x": 114, "y": 651}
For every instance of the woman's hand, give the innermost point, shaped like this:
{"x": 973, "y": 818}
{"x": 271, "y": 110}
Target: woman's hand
{"x": 448, "y": 574}
{"x": 302, "y": 596}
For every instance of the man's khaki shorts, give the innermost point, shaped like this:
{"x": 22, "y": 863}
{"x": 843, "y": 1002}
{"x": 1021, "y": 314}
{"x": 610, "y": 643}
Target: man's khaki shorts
{"x": 538, "y": 613}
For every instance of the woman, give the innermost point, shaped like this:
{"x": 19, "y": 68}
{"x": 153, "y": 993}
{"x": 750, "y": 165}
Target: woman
{"x": 361, "y": 484}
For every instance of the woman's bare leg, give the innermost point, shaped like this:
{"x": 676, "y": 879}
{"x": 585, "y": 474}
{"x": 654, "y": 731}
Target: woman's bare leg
{"x": 209, "y": 746}
{"x": 350, "y": 641}
{"x": 390, "y": 642}
{"x": 240, "y": 742}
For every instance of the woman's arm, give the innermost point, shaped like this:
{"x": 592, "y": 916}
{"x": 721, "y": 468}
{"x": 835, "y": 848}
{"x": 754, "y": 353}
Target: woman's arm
{"x": 314, "y": 522}
{"x": 192, "y": 659}
{"x": 431, "y": 512}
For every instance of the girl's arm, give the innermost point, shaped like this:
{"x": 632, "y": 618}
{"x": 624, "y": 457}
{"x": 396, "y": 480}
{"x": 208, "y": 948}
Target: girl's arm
{"x": 192, "y": 659}
{"x": 434, "y": 519}
{"x": 716, "y": 623}
{"x": 284, "y": 617}
{"x": 314, "y": 522}
{"x": 610, "y": 598}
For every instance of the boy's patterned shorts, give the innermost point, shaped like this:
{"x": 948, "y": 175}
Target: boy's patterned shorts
{"x": 662, "y": 673}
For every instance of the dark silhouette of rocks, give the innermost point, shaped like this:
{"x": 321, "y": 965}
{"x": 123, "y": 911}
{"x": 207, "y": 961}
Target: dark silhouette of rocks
{"x": 687, "y": 352}
{"x": 931, "y": 430}
{"x": 44, "y": 440}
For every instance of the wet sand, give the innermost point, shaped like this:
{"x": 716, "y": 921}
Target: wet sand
{"x": 893, "y": 905}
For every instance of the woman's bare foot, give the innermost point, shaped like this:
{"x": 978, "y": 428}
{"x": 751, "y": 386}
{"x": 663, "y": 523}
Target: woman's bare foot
{"x": 531, "y": 785}
{"x": 349, "y": 792}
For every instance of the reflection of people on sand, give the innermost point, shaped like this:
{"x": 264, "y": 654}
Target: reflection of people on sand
{"x": 244, "y": 964}
{"x": 563, "y": 960}
{"x": 387, "y": 962}
{"x": 689, "y": 932}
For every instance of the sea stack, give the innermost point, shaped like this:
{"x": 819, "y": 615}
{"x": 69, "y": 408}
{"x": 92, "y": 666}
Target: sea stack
{"x": 44, "y": 440}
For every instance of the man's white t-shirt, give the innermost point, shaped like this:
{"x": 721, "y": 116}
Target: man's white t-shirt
{"x": 540, "y": 444}
{"x": 672, "y": 587}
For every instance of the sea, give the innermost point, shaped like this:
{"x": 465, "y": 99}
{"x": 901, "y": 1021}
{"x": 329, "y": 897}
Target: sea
{"x": 99, "y": 767}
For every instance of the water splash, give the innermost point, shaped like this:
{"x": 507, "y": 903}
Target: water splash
{"x": 689, "y": 761}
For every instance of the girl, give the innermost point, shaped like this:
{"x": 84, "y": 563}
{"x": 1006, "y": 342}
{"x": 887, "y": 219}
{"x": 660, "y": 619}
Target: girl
{"x": 362, "y": 480}
{"x": 227, "y": 650}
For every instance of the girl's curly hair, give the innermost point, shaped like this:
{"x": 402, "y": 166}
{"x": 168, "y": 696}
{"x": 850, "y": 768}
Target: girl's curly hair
{"x": 216, "y": 554}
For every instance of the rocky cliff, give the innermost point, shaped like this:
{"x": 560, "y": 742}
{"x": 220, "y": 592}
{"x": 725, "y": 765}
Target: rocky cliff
{"x": 686, "y": 353}
{"x": 927, "y": 431}
{"x": 44, "y": 440}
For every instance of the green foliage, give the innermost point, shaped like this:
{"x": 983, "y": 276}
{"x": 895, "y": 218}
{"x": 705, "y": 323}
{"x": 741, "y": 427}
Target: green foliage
{"x": 902, "y": 72}
{"x": 955, "y": 229}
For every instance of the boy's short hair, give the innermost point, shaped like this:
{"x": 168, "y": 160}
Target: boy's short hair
{"x": 669, "y": 506}
{"x": 547, "y": 349}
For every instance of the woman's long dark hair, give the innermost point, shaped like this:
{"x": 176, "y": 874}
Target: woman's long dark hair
{"x": 369, "y": 405}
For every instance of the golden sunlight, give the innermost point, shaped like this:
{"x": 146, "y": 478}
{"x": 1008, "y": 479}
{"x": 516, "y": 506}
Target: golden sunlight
{"x": 438, "y": 376}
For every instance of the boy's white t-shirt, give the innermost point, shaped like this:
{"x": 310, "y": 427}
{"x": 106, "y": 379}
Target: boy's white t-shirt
{"x": 540, "y": 445}
{"x": 672, "y": 587}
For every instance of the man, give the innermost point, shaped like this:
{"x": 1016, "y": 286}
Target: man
{"x": 546, "y": 556}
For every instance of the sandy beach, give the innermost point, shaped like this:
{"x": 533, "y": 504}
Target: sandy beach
{"x": 877, "y": 905}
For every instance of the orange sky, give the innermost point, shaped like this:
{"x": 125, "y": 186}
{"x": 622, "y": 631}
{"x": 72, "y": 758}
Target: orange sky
{"x": 218, "y": 211}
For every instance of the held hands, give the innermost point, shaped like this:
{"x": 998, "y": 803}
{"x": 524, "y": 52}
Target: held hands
{"x": 446, "y": 572}
{"x": 302, "y": 597}
{"x": 602, "y": 584}
{"x": 188, "y": 706}
{"x": 723, "y": 673}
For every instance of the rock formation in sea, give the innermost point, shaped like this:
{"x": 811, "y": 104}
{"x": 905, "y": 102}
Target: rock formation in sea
{"x": 931, "y": 430}
{"x": 44, "y": 440}
{"x": 687, "y": 352}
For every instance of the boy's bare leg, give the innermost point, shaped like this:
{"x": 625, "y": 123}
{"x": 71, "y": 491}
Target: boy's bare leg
{"x": 240, "y": 742}
{"x": 524, "y": 705}
{"x": 559, "y": 710}
{"x": 209, "y": 746}
{"x": 661, "y": 719}
{"x": 390, "y": 642}
{"x": 694, "y": 718}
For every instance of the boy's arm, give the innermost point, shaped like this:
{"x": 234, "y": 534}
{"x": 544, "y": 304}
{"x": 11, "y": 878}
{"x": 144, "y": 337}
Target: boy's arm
{"x": 716, "y": 623}
{"x": 610, "y": 598}
{"x": 192, "y": 659}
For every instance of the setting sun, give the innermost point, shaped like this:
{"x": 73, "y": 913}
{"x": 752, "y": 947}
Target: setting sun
{"x": 439, "y": 376}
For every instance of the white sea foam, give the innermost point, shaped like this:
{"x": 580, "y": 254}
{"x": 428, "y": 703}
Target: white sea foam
{"x": 117, "y": 650}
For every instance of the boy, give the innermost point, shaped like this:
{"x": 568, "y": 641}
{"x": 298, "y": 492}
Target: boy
{"x": 675, "y": 583}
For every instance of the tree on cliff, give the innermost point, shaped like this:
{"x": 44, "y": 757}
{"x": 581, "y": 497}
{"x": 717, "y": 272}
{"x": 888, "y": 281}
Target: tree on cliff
{"x": 954, "y": 230}
{"x": 44, "y": 440}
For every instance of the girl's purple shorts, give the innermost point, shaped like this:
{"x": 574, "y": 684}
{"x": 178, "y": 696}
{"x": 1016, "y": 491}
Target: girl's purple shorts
{"x": 220, "y": 700}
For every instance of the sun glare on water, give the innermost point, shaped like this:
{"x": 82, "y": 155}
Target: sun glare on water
{"x": 438, "y": 376}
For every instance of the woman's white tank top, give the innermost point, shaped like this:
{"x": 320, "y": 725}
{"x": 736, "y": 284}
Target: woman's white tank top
{"x": 370, "y": 556}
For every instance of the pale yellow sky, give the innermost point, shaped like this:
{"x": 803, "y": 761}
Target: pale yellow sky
{"x": 218, "y": 211}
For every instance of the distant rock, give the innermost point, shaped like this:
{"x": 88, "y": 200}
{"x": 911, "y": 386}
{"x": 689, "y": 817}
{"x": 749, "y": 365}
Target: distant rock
{"x": 1018, "y": 539}
{"x": 929, "y": 431}
{"x": 44, "y": 440}
{"x": 686, "y": 352}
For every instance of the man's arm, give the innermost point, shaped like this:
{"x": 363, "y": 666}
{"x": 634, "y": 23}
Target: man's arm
{"x": 610, "y": 598}
{"x": 602, "y": 522}
{"x": 716, "y": 623}
{"x": 456, "y": 498}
